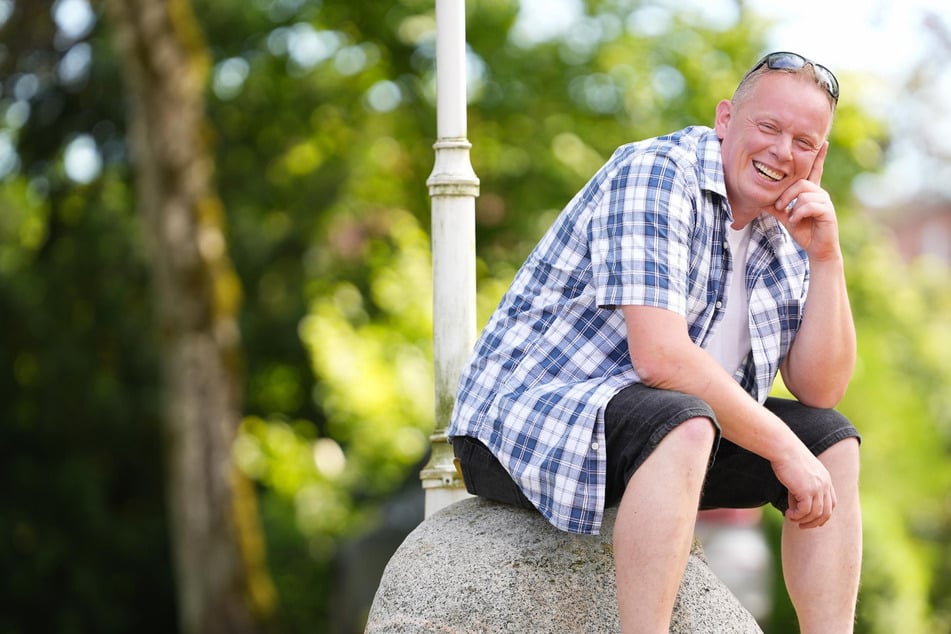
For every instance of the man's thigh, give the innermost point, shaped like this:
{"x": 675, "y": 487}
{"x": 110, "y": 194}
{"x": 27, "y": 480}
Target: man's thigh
{"x": 484, "y": 475}
{"x": 636, "y": 420}
{"x": 741, "y": 479}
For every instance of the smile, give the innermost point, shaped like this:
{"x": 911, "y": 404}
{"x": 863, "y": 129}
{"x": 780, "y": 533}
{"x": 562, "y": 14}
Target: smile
{"x": 771, "y": 174}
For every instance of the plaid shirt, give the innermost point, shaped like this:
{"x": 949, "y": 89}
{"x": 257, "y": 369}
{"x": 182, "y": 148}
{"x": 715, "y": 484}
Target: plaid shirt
{"x": 648, "y": 229}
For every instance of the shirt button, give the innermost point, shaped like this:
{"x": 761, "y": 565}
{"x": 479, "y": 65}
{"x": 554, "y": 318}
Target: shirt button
{"x": 719, "y": 304}
{"x": 595, "y": 446}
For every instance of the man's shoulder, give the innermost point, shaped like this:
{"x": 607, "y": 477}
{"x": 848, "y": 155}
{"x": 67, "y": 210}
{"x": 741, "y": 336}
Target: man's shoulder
{"x": 686, "y": 139}
{"x": 693, "y": 153}
{"x": 686, "y": 147}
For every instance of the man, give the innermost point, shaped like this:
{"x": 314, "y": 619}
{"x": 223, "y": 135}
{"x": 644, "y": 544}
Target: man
{"x": 630, "y": 361}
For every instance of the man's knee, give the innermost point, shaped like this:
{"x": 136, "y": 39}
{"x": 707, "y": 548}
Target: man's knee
{"x": 699, "y": 428}
{"x": 842, "y": 461}
{"x": 695, "y": 435}
{"x": 846, "y": 450}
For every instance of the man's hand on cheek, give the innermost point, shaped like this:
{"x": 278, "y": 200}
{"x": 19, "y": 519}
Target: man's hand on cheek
{"x": 807, "y": 212}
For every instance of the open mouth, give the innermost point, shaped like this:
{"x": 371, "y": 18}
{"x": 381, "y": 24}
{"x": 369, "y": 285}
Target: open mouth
{"x": 771, "y": 174}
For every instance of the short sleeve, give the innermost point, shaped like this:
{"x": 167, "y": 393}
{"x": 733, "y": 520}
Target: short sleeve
{"x": 640, "y": 234}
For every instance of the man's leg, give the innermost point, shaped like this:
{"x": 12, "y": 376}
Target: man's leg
{"x": 822, "y": 565}
{"x": 654, "y": 527}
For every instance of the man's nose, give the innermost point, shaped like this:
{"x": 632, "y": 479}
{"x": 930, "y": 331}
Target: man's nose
{"x": 782, "y": 148}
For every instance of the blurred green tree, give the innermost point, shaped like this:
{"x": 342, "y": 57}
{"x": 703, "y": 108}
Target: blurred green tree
{"x": 222, "y": 583}
{"x": 322, "y": 122}
{"x": 82, "y": 521}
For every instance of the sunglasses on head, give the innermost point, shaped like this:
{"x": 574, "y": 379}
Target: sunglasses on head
{"x": 784, "y": 60}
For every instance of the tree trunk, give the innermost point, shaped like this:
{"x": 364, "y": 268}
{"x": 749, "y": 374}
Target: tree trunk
{"x": 223, "y": 585}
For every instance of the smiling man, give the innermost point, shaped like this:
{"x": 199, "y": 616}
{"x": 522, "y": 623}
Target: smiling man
{"x": 630, "y": 362}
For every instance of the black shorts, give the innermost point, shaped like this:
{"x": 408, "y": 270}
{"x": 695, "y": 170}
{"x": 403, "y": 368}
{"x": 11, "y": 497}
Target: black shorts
{"x": 638, "y": 418}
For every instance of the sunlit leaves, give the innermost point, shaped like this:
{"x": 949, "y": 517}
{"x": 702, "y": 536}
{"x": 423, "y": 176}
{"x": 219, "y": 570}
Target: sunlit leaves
{"x": 23, "y": 224}
{"x": 371, "y": 352}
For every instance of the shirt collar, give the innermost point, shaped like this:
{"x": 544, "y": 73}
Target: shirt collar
{"x": 711, "y": 164}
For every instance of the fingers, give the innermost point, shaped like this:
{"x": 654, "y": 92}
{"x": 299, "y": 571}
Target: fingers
{"x": 811, "y": 494}
{"x": 807, "y": 204}
{"x": 813, "y": 511}
{"x": 815, "y": 175}
{"x": 790, "y": 198}
{"x": 798, "y": 196}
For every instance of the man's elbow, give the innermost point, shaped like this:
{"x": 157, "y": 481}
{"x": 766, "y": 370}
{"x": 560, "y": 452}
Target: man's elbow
{"x": 654, "y": 371}
{"x": 820, "y": 396}
{"x": 820, "y": 387}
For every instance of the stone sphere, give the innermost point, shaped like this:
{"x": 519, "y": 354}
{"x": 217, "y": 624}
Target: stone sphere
{"x": 481, "y": 567}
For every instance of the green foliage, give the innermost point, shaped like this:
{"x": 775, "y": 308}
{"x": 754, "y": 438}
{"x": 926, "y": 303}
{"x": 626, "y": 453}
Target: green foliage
{"x": 899, "y": 397}
{"x": 322, "y": 118}
{"x": 375, "y": 390}
{"x": 82, "y": 521}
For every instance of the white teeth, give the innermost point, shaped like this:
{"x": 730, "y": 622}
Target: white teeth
{"x": 774, "y": 175}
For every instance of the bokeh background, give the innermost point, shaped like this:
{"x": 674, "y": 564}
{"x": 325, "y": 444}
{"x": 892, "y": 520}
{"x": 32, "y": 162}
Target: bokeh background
{"x": 215, "y": 280}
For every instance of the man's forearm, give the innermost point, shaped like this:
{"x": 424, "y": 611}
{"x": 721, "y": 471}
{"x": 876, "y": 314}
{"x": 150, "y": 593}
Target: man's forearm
{"x": 820, "y": 362}
{"x": 664, "y": 357}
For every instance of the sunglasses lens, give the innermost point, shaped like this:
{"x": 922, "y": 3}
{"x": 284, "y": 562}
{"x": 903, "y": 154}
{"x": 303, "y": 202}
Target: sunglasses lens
{"x": 794, "y": 61}
{"x": 785, "y": 61}
{"x": 831, "y": 83}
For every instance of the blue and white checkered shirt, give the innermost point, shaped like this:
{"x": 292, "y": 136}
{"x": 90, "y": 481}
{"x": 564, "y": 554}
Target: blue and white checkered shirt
{"x": 648, "y": 229}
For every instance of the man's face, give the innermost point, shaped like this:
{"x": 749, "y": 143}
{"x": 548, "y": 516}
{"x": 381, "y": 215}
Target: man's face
{"x": 770, "y": 139}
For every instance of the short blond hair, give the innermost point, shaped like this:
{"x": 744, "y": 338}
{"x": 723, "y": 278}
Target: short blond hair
{"x": 808, "y": 71}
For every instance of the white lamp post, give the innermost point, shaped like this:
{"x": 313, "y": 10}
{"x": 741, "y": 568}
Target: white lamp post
{"x": 453, "y": 187}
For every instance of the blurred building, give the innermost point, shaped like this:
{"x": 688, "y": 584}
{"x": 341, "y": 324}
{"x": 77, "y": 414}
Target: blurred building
{"x": 735, "y": 547}
{"x": 920, "y": 229}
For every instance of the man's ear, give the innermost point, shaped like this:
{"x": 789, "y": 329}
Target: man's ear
{"x": 724, "y": 111}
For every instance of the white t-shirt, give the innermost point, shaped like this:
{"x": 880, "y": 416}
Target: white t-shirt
{"x": 730, "y": 341}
